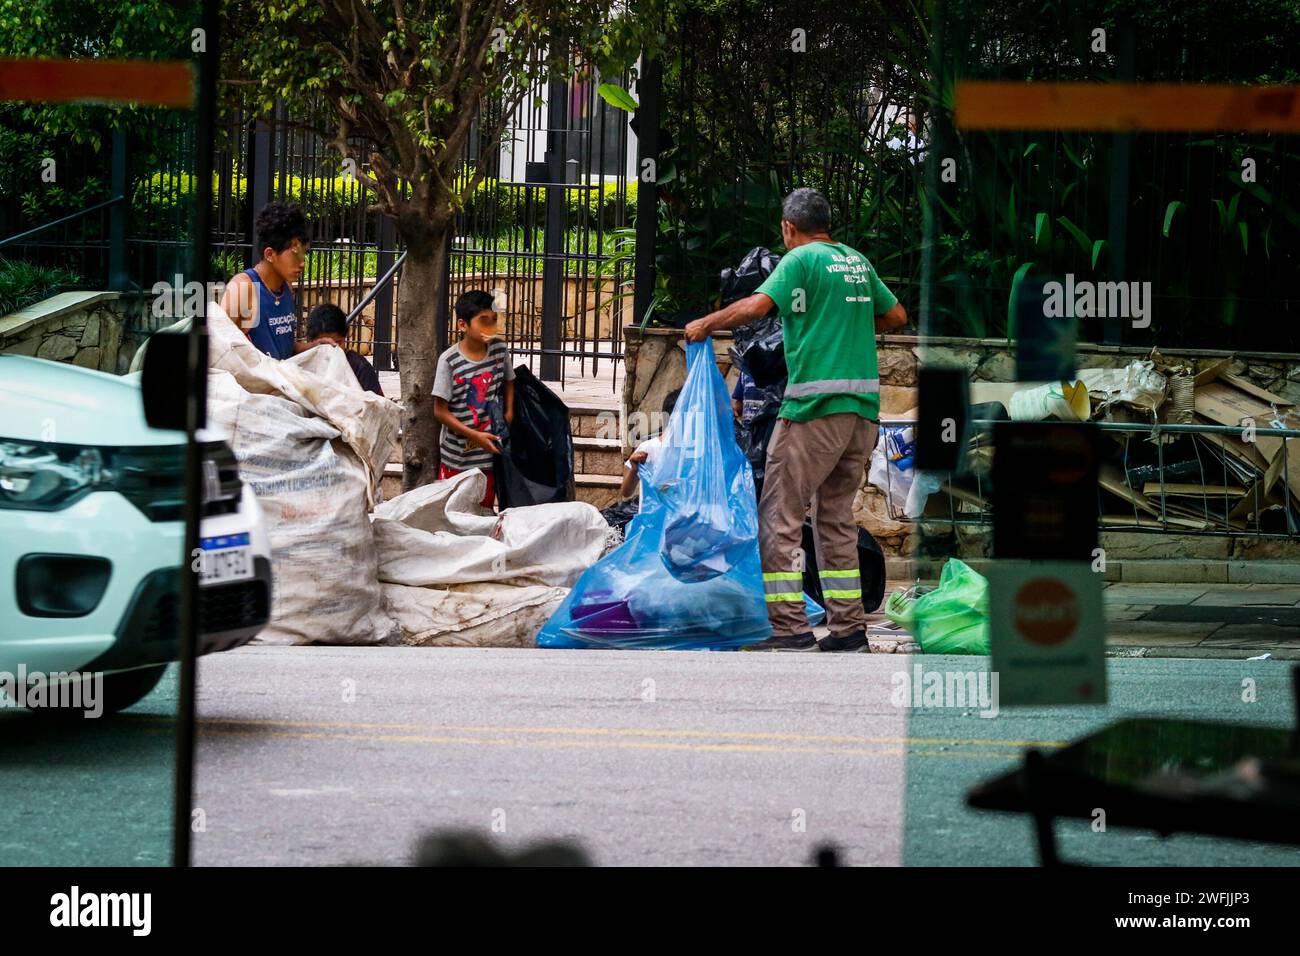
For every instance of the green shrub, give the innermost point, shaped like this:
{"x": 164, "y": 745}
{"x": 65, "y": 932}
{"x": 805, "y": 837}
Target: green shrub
{"x": 504, "y": 207}
{"x": 22, "y": 283}
{"x": 163, "y": 202}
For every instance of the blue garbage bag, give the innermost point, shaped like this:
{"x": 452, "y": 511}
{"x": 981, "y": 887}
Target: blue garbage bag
{"x": 687, "y": 575}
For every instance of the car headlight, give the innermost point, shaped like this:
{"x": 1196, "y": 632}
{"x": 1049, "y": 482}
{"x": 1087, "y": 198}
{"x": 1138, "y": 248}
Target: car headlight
{"x": 43, "y": 476}
{"x": 39, "y": 476}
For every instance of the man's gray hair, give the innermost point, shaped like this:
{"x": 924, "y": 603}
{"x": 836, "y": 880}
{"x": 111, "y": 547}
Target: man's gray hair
{"x": 807, "y": 210}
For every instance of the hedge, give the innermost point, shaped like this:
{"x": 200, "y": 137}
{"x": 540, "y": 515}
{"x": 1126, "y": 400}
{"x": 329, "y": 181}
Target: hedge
{"x": 162, "y": 202}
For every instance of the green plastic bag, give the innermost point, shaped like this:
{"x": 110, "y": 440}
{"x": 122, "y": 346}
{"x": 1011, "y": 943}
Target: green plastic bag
{"x": 951, "y": 619}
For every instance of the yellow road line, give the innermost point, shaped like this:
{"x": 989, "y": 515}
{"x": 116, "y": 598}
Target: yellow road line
{"x": 610, "y": 744}
{"x": 204, "y": 724}
{"x": 562, "y": 744}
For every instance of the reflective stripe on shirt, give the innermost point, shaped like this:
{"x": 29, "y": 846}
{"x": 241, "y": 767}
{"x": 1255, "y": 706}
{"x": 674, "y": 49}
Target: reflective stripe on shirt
{"x": 834, "y": 386}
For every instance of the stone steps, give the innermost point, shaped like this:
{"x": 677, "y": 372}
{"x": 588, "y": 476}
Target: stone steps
{"x": 598, "y": 490}
{"x": 597, "y": 454}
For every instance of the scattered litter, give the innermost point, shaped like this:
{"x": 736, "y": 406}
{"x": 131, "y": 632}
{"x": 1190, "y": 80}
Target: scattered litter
{"x": 950, "y": 619}
{"x": 1262, "y": 657}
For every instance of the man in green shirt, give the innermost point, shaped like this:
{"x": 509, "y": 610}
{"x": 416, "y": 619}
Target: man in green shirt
{"x": 832, "y": 305}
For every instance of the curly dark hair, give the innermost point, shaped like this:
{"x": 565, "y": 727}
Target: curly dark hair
{"x": 279, "y": 224}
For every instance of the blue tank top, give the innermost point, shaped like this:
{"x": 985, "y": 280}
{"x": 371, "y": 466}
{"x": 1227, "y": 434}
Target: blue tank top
{"x": 276, "y": 323}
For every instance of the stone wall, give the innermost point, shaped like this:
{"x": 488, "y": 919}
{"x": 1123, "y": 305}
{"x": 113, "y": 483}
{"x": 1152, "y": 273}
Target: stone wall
{"x": 99, "y": 330}
{"x": 655, "y": 365}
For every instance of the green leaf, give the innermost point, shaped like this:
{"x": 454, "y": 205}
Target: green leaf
{"x": 1030, "y": 148}
{"x": 1041, "y": 221}
{"x": 1172, "y": 208}
{"x": 1084, "y": 242}
{"x": 1097, "y": 247}
{"x": 1073, "y": 156}
{"x": 616, "y": 96}
{"x": 1244, "y": 229}
{"x": 1011, "y": 299}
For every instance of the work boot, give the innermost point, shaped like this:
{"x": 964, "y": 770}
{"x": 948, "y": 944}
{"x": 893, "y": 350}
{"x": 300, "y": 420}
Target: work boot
{"x": 848, "y": 643}
{"x": 787, "y": 642}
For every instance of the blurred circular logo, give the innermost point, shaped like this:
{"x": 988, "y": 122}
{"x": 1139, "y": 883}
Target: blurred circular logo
{"x": 1045, "y": 611}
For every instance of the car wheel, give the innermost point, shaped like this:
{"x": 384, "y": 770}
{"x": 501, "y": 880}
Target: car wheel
{"x": 120, "y": 690}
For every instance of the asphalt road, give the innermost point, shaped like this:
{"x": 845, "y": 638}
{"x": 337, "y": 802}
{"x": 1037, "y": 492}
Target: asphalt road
{"x": 349, "y": 755}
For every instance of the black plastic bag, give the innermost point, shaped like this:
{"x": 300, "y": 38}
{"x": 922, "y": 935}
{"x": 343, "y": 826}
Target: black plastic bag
{"x": 756, "y": 436}
{"x": 765, "y": 360}
{"x": 758, "y": 347}
{"x": 745, "y": 279}
{"x": 871, "y": 568}
{"x": 620, "y": 513}
{"x": 536, "y": 462}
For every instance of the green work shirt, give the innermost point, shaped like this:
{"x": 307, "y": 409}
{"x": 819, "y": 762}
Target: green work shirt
{"x": 829, "y": 296}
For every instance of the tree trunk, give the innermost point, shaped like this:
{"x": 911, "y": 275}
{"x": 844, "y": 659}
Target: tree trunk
{"x": 422, "y": 286}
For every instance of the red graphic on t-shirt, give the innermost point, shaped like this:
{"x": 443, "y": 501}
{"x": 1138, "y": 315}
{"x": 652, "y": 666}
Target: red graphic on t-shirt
{"x": 476, "y": 396}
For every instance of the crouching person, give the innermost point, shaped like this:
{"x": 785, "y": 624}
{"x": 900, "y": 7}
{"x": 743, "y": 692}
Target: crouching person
{"x": 646, "y": 453}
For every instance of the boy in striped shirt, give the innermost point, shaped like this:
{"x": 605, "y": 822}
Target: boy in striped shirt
{"x": 472, "y": 378}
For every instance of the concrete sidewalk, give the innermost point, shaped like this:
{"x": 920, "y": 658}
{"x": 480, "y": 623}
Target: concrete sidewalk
{"x": 1232, "y": 622}
{"x": 1203, "y": 620}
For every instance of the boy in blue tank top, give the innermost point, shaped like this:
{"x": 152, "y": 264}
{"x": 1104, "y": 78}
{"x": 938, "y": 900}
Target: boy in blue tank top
{"x": 260, "y": 300}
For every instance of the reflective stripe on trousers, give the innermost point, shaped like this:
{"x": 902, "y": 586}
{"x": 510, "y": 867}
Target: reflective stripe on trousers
{"x": 783, "y": 586}
{"x": 844, "y": 585}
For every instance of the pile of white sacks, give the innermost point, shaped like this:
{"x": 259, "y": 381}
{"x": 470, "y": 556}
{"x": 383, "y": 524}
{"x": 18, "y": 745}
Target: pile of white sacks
{"x": 432, "y": 568}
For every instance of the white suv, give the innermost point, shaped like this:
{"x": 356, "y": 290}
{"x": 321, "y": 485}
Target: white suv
{"x": 92, "y": 528}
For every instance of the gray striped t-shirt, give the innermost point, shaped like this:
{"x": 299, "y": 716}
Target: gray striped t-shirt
{"x": 468, "y": 387}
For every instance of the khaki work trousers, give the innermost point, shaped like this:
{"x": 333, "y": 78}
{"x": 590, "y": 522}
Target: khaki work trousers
{"x": 822, "y": 459}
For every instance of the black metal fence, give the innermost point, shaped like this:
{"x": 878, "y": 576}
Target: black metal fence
{"x": 760, "y": 99}
{"x": 535, "y": 232}
{"x": 121, "y": 193}
{"x": 541, "y": 229}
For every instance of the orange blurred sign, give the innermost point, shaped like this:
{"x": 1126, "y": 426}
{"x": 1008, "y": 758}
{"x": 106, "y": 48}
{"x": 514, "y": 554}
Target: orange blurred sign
{"x": 169, "y": 83}
{"x": 1047, "y": 632}
{"x": 1125, "y": 107}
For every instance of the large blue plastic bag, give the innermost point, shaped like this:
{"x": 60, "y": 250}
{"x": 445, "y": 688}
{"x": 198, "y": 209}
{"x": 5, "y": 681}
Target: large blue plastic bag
{"x": 687, "y": 575}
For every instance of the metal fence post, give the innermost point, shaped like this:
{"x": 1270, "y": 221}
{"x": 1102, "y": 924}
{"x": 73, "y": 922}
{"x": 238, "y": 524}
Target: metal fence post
{"x": 1117, "y": 235}
{"x": 553, "y": 239}
{"x": 258, "y": 192}
{"x": 117, "y": 276}
{"x": 648, "y": 87}
{"x": 382, "y": 339}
